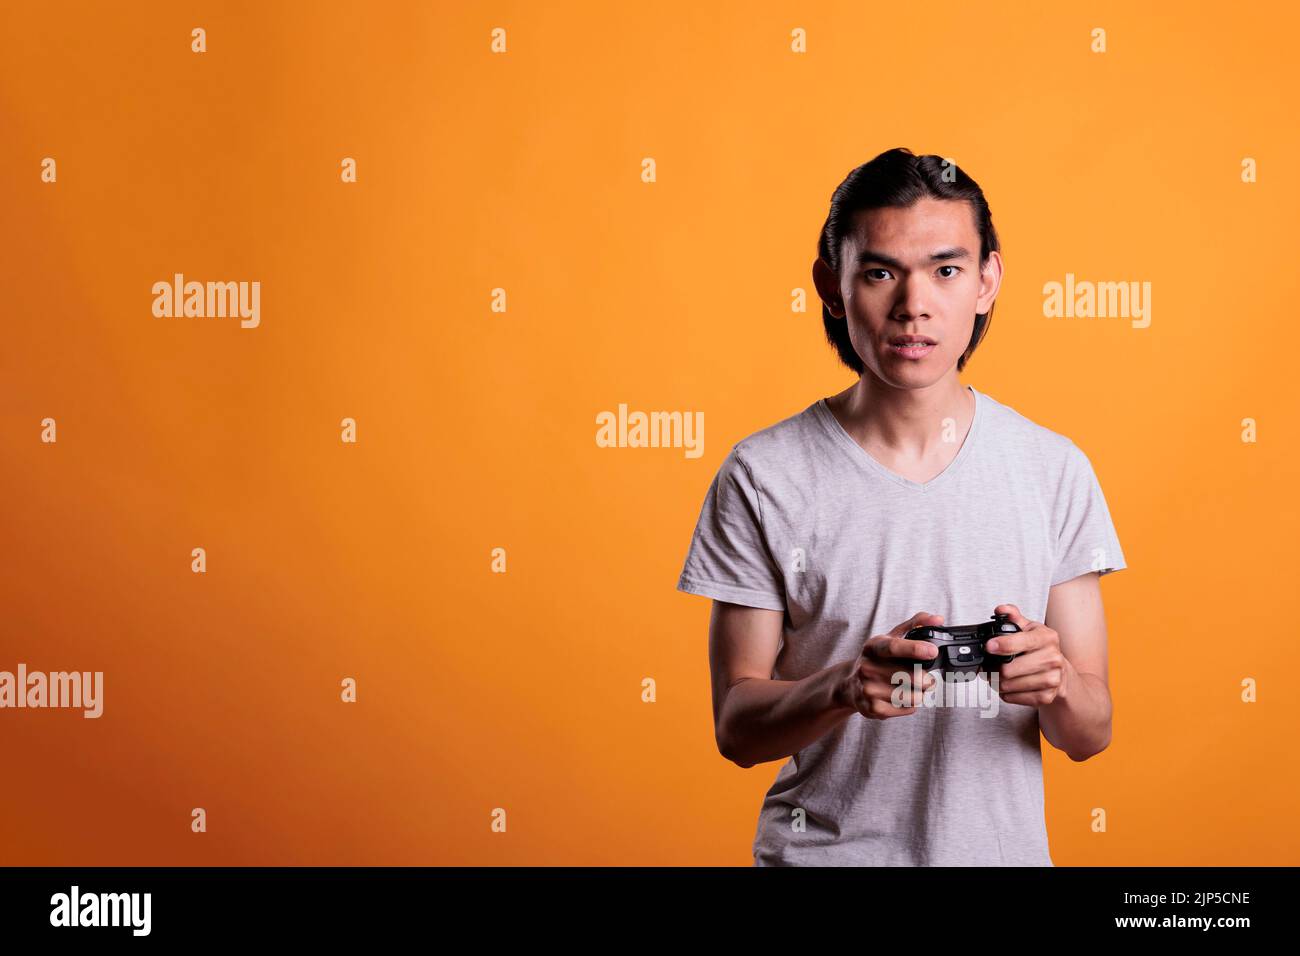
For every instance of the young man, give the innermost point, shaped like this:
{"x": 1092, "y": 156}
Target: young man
{"x": 906, "y": 499}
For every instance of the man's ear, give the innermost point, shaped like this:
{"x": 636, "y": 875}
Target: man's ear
{"x": 828, "y": 287}
{"x": 990, "y": 282}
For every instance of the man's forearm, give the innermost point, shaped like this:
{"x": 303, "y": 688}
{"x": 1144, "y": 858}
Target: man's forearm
{"x": 765, "y": 720}
{"x": 1078, "y": 721}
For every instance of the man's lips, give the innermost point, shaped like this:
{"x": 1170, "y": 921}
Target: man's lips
{"x": 912, "y": 348}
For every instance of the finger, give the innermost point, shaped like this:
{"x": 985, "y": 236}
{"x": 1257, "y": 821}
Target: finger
{"x": 887, "y": 691}
{"x": 1031, "y": 662}
{"x": 1012, "y": 612}
{"x": 1029, "y": 699}
{"x": 880, "y": 701}
{"x": 883, "y": 685}
{"x": 911, "y": 677}
{"x": 1041, "y": 680}
{"x": 901, "y": 648}
{"x": 895, "y": 673}
{"x": 886, "y": 711}
{"x": 919, "y": 619}
{"x": 1022, "y": 643}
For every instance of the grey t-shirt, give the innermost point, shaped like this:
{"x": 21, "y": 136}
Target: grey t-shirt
{"x": 800, "y": 518}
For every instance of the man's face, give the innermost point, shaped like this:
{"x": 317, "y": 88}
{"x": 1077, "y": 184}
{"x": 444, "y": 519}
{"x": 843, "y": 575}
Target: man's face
{"x": 913, "y": 274}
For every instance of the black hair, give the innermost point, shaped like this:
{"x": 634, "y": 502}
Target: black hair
{"x": 899, "y": 178}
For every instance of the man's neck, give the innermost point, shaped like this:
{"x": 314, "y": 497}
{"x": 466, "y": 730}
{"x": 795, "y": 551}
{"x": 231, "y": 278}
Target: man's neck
{"x": 906, "y": 423}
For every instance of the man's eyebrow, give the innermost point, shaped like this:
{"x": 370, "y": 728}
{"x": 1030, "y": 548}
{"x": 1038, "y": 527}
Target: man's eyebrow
{"x": 942, "y": 255}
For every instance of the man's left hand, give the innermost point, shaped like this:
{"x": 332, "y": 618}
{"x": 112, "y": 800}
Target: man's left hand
{"x": 1039, "y": 673}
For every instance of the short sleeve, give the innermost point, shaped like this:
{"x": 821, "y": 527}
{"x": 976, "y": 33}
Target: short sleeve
{"x": 729, "y": 558}
{"x": 1085, "y": 536}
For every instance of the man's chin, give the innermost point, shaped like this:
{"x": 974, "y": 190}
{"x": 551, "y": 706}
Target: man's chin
{"x": 912, "y": 374}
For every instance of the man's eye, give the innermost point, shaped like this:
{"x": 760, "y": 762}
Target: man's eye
{"x": 958, "y": 268}
{"x": 870, "y": 271}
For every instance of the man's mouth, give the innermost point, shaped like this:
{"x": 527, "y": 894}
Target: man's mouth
{"x": 912, "y": 346}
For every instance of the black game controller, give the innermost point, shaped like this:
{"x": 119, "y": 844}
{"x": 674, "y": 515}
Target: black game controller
{"x": 961, "y": 648}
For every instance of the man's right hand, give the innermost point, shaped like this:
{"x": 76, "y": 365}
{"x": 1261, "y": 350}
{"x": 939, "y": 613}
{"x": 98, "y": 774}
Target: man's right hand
{"x": 869, "y": 687}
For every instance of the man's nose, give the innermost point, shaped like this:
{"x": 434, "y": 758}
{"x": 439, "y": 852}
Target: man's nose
{"x": 913, "y": 298}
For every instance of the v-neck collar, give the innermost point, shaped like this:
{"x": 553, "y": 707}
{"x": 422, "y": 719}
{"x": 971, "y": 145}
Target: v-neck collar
{"x": 845, "y": 440}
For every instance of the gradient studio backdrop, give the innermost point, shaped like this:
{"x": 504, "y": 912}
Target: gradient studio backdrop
{"x": 476, "y": 429}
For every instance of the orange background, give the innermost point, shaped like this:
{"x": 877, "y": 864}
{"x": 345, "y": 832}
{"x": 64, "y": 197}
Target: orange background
{"x": 477, "y": 429}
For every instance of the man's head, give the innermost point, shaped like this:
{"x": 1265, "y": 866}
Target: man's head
{"x": 908, "y": 249}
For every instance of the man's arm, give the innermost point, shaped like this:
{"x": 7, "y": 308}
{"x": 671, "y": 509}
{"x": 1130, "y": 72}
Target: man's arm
{"x": 1078, "y": 721}
{"x": 755, "y": 718}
